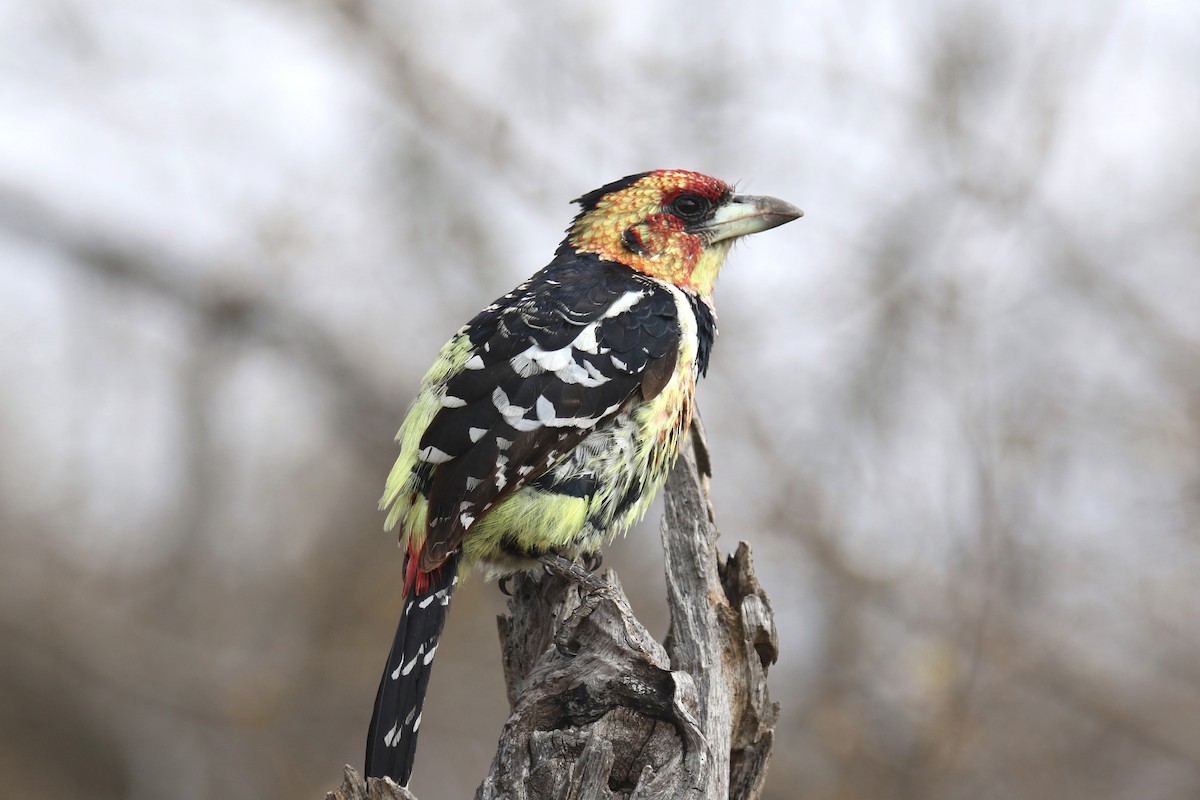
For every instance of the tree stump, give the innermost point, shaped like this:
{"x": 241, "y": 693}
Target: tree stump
{"x": 602, "y": 710}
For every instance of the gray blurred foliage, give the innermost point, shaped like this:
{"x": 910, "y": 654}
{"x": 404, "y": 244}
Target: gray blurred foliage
{"x": 956, "y": 408}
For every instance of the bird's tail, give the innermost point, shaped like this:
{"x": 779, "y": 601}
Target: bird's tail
{"x": 392, "y": 739}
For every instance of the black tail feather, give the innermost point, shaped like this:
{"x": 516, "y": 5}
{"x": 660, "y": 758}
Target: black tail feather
{"x": 392, "y": 739}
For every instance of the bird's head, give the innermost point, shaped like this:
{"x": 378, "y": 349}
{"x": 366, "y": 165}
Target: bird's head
{"x": 671, "y": 224}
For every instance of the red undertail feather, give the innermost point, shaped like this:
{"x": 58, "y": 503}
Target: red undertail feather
{"x": 415, "y": 579}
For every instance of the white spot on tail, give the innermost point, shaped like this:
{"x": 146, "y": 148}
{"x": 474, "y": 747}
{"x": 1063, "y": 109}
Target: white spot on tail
{"x": 474, "y": 362}
{"x": 449, "y": 401}
{"x": 392, "y": 738}
{"x": 409, "y": 666}
{"x": 476, "y": 433}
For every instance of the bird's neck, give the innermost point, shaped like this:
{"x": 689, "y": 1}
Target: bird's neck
{"x": 693, "y": 270}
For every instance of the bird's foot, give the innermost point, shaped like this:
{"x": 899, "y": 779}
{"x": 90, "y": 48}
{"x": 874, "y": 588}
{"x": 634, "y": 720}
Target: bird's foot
{"x": 591, "y": 561}
{"x": 579, "y": 573}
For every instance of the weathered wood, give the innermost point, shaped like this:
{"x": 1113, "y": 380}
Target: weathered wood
{"x": 355, "y": 788}
{"x": 602, "y": 711}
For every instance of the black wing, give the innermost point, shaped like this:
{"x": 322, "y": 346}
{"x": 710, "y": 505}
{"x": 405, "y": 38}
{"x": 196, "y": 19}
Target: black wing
{"x": 552, "y": 360}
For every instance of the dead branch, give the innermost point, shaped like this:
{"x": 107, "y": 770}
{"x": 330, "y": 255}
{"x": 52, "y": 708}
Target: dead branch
{"x": 602, "y": 710}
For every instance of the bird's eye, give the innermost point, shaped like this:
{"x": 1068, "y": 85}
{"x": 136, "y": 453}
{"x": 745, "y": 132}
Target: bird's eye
{"x": 691, "y": 207}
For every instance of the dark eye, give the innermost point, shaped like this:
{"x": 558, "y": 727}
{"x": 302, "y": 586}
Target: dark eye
{"x": 691, "y": 207}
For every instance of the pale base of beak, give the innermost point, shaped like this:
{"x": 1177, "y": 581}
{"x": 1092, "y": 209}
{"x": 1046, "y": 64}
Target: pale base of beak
{"x": 745, "y": 214}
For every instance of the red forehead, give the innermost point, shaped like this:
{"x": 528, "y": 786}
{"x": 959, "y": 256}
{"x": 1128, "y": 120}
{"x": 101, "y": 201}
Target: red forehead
{"x": 677, "y": 181}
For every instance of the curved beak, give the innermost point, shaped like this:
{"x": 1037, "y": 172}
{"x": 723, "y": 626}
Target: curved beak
{"x": 745, "y": 214}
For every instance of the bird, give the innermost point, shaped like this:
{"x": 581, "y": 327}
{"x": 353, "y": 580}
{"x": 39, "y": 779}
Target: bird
{"x": 548, "y": 422}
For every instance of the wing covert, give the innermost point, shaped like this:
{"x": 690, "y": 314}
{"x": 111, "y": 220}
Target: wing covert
{"x": 550, "y": 362}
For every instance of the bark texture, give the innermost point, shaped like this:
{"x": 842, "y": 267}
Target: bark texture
{"x": 602, "y": 710}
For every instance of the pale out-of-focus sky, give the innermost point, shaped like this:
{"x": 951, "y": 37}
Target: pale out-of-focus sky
{"x": 955, "y": 409}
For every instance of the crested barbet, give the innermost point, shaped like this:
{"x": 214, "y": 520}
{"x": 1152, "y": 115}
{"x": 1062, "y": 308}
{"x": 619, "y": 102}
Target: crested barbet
{"x": 550, "y": 420}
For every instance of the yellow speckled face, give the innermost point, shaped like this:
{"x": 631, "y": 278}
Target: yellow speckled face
{"x": 653, "y": 223}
